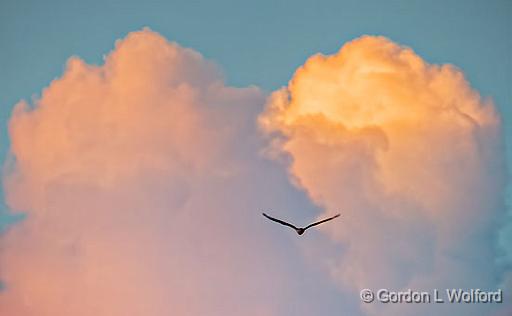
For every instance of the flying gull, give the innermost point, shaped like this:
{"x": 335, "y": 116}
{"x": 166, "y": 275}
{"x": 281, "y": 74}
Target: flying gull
{"x": 299, "y": 230}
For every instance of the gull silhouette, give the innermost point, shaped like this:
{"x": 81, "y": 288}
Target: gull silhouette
{"x": 299, "y": 230}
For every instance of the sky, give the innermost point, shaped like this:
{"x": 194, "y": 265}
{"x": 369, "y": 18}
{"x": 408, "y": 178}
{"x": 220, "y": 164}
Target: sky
{"x": 100, "y": 173}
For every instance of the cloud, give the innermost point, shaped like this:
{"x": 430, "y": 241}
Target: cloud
{"x": 142, "y": 183}
{"x": 413, "y": 158}
{"x": 142, "y": 187}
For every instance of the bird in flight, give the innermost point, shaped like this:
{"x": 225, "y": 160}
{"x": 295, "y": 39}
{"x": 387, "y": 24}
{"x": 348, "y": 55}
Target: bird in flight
{"x": 299, "y": 230}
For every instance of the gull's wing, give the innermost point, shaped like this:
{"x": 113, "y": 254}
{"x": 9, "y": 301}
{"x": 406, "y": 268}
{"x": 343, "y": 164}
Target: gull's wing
{"x": 322, "y": 221}
{"x": 279, "y": 221}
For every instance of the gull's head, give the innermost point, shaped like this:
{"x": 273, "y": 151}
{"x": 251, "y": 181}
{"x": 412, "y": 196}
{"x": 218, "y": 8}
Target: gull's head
{"x": 300, "y": 231}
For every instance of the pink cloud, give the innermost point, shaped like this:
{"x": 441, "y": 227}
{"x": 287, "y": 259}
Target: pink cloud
{"x": 133, "y": 175}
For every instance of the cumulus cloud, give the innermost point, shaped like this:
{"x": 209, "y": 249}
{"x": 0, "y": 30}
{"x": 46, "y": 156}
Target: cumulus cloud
{"x": 142, "y": 186}
{"x": 141, "y": 181}
{"x": 412, "y": 157}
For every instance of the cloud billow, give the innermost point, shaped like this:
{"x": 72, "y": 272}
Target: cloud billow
{"x": 413, "y": 158}
{"x": 142, "y": 181}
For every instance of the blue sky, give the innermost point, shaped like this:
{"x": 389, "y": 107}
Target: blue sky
{"x": 255, "y": 43}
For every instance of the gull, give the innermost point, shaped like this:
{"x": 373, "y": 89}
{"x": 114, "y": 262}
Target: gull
{"x": 299, "y": 230}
